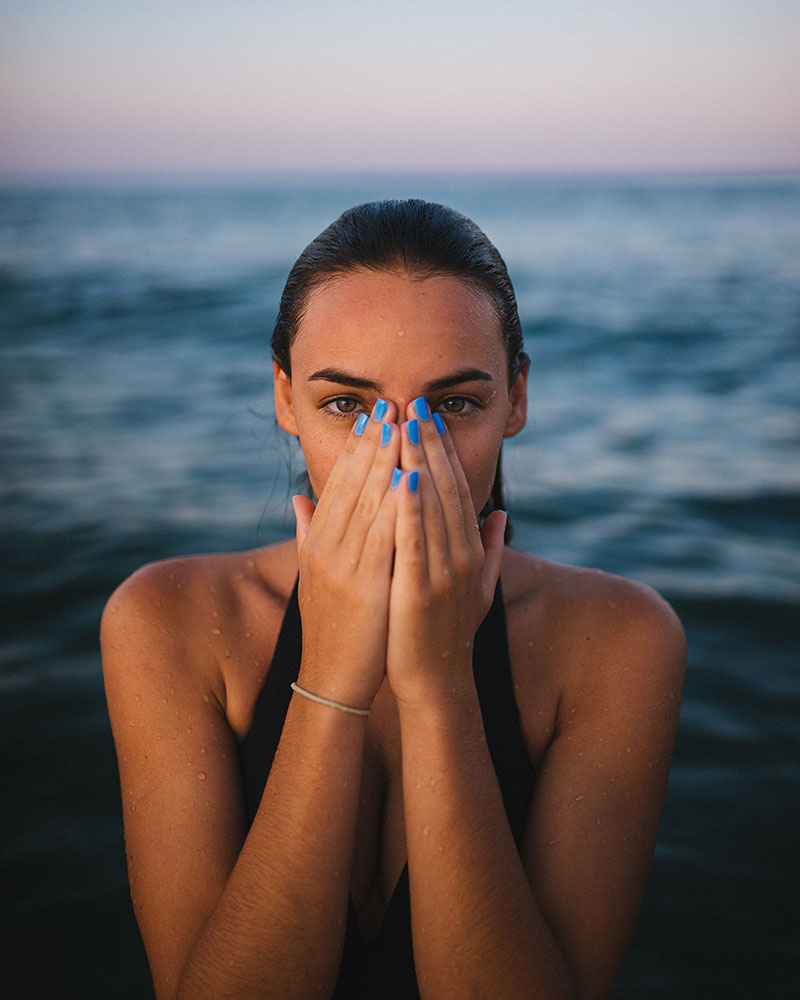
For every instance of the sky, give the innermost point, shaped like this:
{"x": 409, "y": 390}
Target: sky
{"x": 250, "y": 87}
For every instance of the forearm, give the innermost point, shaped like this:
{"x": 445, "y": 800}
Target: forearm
{"x": 278, "y": 928}
{"x": 476, "y": 925}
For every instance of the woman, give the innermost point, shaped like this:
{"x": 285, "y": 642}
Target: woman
{"x": 461, "y": 780}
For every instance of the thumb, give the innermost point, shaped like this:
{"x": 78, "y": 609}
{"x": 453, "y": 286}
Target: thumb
{"x": 493, "y": 538}
{"x": 303, "y": 511}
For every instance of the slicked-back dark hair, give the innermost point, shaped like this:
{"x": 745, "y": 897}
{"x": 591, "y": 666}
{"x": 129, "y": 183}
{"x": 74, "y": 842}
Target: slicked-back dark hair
{"x": 419, "y": 238}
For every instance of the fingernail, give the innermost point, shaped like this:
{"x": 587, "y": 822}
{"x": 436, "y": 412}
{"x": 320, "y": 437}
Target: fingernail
{"x": 413, "y": 431}
{"x": 413, "y": 481}
{"x": 421, "y": 408}
{"x": 361, "y": 423}
{"x": 386, "y": 434}
{"x": 380, "y": 410}
{"x": 397, "y": 475}
{"x": 439, "y": 423}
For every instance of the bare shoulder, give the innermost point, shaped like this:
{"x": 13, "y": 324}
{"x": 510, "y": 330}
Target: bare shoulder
{"x": 195, "y": 621}
{"x": 569, "y": 607}
{"x": 583, "y": 637}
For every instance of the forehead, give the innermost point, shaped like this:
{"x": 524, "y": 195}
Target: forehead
{"x": 382, "y": 317}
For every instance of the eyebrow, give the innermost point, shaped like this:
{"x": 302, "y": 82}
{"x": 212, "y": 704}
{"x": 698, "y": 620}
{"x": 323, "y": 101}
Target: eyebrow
{"x": 435, "y": 385}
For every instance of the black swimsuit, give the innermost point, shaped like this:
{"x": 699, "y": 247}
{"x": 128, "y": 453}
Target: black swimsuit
{"x": 383, "y": 968}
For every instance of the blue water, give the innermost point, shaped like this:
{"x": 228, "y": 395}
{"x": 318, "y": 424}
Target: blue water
{"x": 663, "y": 319}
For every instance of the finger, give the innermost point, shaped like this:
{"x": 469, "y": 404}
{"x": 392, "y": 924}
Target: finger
{"x": 432, "y": 433}
{"x": 378, "y": 548}
{"x": 347, "y": 478}
{"x": 456, "y": 499}
{"x": 303, "y": 511}
{"x": 426, "y": 504}
{"x": 376, "y": 484}
{"x": 465, "y": 502}
{"x": 411, "y": 550}
{"x": 493, "y": 539}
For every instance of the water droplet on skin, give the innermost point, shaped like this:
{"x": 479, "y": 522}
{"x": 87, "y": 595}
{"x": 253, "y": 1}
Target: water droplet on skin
{"x": 579, "y": 798}
{"x": 206, "y": 699}
{"x": 202, "y": 749}
{"x": 202, "y": 775}
{"x": 138, "y": 697}
{"x": 401, "y": 333}
{"x": 427, "y": 829}
{"x": 216, "y": 631}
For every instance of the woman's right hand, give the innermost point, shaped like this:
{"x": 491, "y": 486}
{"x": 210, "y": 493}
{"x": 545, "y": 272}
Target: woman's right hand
{"x": 345, "y": 551}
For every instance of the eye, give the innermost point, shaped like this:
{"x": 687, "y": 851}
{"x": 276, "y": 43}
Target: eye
{"x": 342, "y": 406}
{"x": 457, "y": 405}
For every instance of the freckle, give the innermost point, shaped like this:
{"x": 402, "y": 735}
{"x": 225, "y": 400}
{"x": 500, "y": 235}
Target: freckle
{"x": 202, "y": 775}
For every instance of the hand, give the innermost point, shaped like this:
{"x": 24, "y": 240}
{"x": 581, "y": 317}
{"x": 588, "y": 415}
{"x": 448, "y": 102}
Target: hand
{"x": 445, "y": 569}
{"x": 345, "y": 553}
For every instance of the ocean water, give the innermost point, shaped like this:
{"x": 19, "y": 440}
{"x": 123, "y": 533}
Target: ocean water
{"x": 663, "y": 319}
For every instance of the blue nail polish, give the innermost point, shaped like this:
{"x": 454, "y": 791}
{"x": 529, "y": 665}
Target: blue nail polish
{"x": 437, "y": 419}
{"x": 386, "y": 434}
{"x": 380, "y": 410}
{"x": 413, "y": 481}
{"x": 413, "y": 431}
{"x": 397, "y": 475}
{"x": 421, "y": 408}
{"x": 361, "y": 423}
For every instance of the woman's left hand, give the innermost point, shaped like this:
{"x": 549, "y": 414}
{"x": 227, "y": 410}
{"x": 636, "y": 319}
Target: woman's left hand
{"x": 446, "y": 569}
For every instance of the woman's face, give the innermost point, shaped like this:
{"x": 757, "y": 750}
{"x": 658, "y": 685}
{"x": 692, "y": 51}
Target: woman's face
{"x": 371, "y": 334}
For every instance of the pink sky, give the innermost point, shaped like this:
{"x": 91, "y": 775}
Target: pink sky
{"x": 203, "y": 87}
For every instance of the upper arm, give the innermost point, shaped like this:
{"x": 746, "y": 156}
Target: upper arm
{"x": 600, "y": 787}
{"x": 181, "y": 789}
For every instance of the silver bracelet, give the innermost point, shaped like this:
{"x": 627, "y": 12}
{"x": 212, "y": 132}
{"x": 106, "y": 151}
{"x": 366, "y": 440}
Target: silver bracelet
{"x": 329, "y": 703}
